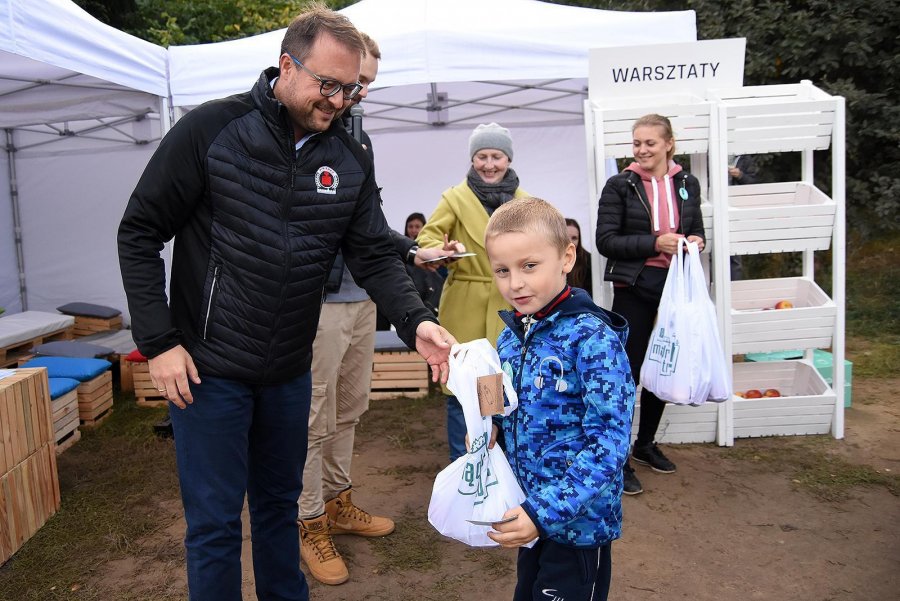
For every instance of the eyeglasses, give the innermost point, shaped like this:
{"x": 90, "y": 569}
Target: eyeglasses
{"x": 330, "y": 87}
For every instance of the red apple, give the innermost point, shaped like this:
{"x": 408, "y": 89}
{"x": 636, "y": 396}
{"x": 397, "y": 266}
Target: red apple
{"x": 771, "y": 392}
{"x": 753, "y": 393}
{"x": 784, "y": 304}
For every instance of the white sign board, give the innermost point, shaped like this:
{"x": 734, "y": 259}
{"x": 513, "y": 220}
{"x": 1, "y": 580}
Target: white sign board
{"x": 690, "y": 67}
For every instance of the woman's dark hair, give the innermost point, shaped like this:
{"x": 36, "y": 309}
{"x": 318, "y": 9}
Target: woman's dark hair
{"x": 579, "y": 275}
{"x": 413, "y": 217}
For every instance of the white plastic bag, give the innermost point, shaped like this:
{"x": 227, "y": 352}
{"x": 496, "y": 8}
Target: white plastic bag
{"x": 676, "y": 368}
{"x": 719, "y": 380}
{"x": 480, "y": 485}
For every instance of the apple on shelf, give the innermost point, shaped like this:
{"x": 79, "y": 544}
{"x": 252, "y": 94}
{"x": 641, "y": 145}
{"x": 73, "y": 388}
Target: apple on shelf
{"x": 753, "y": 393}
{"x": 771, "y": 392}
{"x": 784, "y": 304}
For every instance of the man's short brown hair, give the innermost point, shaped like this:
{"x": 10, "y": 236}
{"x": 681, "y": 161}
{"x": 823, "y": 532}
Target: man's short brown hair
{"x": 317, "y": 19}
{"x": 371, "y": 45}
{"x": 530, "y": 215}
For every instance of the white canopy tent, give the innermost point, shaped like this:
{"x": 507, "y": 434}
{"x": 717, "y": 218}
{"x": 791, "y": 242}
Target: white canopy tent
{"x": 448, "y": 65}
{"x": 98, "y": 94}
{"x": 79, "y": 106}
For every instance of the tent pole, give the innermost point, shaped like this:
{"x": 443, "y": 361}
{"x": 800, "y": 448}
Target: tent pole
{"x": 17, "y": 220}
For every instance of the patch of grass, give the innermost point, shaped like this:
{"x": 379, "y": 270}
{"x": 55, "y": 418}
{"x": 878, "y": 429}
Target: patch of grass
{"x": 812, "y": 467}
{"x": 491, "y": 561}
{"x": 414, "y": 545}
{"x": 873, "y": 358}
{"x": 399, "y": 421}
{"x": 407, "y": 473}
{"x": 873, "y": 289}
{"x": 111, "y": 484}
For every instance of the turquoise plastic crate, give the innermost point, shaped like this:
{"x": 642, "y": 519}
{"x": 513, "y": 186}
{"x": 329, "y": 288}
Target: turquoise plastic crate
{"x": 822, "y": 361}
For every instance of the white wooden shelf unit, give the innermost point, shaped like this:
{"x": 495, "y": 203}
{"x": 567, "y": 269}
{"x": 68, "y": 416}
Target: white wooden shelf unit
{"x": 776, "y": 218}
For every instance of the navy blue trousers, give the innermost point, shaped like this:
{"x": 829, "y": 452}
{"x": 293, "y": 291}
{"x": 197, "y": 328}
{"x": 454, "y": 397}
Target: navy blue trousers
{"x": 550, "y": 571}
{"x": 238, "y": 439}
{"x": 456, "y": 429}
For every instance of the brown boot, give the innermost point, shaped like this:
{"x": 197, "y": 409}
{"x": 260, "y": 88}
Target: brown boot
{"x": 318, "y": 551}
{"x": 347, "y": 518}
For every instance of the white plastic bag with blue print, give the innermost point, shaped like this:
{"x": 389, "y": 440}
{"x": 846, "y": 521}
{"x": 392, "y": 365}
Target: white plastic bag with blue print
{"x": 676, "y": 368}
{"x": 480, "y": 485}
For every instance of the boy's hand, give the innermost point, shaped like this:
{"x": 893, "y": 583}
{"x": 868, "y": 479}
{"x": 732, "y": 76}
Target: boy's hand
{"x": 493, "y": 441}
{"x": 516, "y": 533}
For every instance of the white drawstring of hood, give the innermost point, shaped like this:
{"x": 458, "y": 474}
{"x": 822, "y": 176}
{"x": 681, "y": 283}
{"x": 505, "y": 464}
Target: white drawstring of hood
{"x": 655, "y": 187}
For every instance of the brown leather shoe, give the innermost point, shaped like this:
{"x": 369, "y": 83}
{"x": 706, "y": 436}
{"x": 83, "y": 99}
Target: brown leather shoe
{"x": 347, "y": 518}
{"x": 318, "y": 551}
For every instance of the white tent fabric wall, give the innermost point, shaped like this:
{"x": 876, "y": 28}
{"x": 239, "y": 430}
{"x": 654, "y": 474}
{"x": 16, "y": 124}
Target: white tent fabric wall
{"x": 414, "y": 168}
{"x": 73, "y": 196}
{"x": 70, "y": 91}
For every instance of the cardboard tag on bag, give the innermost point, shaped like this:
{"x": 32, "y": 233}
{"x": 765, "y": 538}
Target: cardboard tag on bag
{"x": 490, "y": 394}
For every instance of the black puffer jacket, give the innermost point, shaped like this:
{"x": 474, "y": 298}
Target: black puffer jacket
{"x": 624, "y": 231}
{"x": 256, "y": 231}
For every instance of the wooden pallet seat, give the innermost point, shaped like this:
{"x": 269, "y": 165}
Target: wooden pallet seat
{"x": 20, "y": 332}
{"x": 95, "y": 397}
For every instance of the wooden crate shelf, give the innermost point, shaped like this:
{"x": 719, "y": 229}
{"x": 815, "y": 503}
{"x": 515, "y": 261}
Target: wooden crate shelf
{"x": 65, "y": 416}
{"x": 780, "y": 217}
{"x": 29, "y": 496}
{"x": 25, "y": 419}
{"x": 759, "y": 328}
{"x": 145, "y": 393}
{"x": 95, "y": 399}
{"x": 806, "y": 404}
{"x": 399, "y": 373}
{"x": 682, "y": 423}
{"x": 29, "y": 487}
{"x": 85, "y": 326}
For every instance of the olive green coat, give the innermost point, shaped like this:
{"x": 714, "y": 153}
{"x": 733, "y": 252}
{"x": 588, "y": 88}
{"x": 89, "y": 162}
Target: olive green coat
{"x": 470, "y": 300}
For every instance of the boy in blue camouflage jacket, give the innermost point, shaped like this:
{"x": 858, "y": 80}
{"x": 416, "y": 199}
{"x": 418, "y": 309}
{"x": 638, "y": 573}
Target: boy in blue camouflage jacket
{"x": 568, "y": 439}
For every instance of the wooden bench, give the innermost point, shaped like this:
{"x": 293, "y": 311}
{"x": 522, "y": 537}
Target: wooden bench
{"x": 396, "y": 370}
{"x": 20, "y": 332}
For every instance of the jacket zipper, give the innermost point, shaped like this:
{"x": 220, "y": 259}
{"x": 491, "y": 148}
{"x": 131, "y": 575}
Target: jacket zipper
{"x": 646, "y": 205}
{"x": 212, "y": 298}
{"x": 527, "y": 323}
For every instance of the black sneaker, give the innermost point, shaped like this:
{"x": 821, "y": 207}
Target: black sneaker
{"x": 632, "y": 484}
{"x": 650, "y": 454}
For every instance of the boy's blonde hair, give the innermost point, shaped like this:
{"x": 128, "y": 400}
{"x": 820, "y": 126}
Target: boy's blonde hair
{"x": 530, "y": 215}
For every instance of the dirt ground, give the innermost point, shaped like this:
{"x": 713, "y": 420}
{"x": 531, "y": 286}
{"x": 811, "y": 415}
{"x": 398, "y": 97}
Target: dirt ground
{"x": 768, "y": 519}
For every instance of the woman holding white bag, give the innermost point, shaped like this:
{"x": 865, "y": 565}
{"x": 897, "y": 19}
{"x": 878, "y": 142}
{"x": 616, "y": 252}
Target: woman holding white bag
{"x": 642, "y": 213}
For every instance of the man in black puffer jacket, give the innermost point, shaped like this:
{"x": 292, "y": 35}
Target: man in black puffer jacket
{"x": 260, "y": 191}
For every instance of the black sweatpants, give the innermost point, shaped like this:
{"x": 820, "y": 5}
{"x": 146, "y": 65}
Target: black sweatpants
{"x": 550, "y": 571}
{"x": 639, "y": 305}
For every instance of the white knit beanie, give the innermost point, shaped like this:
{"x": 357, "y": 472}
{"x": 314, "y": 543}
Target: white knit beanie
{"x": 490, "y": 136}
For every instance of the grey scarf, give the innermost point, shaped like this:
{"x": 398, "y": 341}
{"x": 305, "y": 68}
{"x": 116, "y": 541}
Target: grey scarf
{"x": 493, "y": 195}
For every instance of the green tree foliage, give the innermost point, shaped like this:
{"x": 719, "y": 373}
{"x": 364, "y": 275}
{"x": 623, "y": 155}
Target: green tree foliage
{"x": 847, "y": 48}
{"x": 168, "y": 22}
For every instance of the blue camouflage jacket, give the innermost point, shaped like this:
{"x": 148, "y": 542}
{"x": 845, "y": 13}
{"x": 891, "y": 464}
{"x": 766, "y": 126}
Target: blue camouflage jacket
{"x": 568, "y": 439}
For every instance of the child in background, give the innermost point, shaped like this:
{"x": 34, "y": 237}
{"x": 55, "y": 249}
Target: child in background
{"x": 568, "y": 439}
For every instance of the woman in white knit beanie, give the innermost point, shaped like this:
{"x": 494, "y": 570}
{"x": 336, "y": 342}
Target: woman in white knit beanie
{"x": 470, "y": 301}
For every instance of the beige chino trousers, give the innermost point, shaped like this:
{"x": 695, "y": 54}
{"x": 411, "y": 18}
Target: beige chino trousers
{"x": 341, "y": 380}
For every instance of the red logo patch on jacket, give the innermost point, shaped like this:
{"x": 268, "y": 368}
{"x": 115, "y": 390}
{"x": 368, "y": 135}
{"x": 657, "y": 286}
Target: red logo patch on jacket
{"x": 326, "y": 180}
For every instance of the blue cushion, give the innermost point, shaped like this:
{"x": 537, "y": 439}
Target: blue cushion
{"x": 68, "y": 367}
{"x": 71, "y": 348}
{"x": 88, "y": 310}
{"x": 60, "y": 386}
